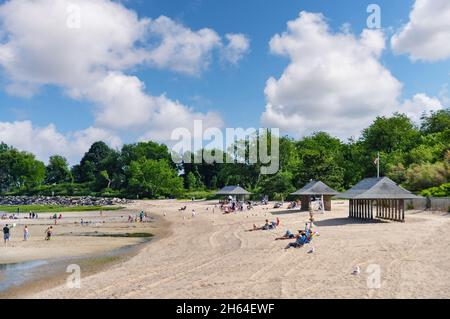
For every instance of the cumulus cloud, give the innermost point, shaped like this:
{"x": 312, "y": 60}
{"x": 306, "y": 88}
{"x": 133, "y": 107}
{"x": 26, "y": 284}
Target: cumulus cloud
{"x": 181, "y": 49}
{"x": 420, "y": 104}
{"x": 237, "y": 47}
{"x": 88, "y": 47}
{"x": 47, "y": 141}
{"x": 427, "y": 34}
{"x": 334, "y": 81}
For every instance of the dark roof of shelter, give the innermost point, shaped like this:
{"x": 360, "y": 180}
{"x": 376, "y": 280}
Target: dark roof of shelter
{"x": 377, "y": 188}
{"x": 233, "y": 190}
{"x": 316, "y": 188}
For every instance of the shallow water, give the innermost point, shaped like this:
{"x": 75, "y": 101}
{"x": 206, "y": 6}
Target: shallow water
{"x": 20, "y": 274}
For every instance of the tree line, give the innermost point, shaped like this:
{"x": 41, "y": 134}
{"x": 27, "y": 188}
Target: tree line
{"x": 415, "y": 156}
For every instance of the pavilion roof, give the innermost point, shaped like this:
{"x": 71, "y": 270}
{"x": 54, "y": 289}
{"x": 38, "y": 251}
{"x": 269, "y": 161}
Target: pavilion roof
{"x": 377, "y": 188}
{"x": 316, "y": 188}
{"x": 233, "y": 190}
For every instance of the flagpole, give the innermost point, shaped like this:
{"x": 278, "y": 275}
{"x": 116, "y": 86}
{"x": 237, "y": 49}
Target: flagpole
{"x": 378, "y": 166}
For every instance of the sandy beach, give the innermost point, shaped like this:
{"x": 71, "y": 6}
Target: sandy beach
{"x": 213, "y": 256}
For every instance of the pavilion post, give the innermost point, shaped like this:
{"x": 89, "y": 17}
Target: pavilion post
{"x": 351, "y": 208}
{"x": 366, "y": 202}
{"x": 402, "y": 206}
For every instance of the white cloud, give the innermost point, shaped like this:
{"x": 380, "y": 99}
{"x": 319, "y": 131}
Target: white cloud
{"x": 47, "y": 141}
{"x": 420, "y": 104}
{"x": 181, "y": 49}
{"x": 237, "y": 47}
{"x": 427, "y": 34}
{"x": 334, "y": 81}
{"x": 39, "y": 46}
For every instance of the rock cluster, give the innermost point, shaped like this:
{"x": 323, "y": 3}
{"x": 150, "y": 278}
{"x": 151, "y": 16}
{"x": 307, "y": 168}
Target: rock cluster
{"x": 61, "y": 201}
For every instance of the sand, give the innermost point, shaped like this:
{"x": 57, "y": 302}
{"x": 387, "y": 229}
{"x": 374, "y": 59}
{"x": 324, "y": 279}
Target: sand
{"x": 70, "y": 238}
{"x": 213, "y": 256}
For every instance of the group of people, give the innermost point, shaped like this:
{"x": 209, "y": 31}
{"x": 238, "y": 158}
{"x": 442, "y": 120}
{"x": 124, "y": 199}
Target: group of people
{"x": 33, "y": 215}
{"x": 26, "y": 233}
{"x": 303, "y": 237}
{"x": 141, "y": 217}
{"x": 232, "y": 206}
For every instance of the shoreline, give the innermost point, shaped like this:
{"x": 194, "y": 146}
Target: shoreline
{"x": 54, "y": 268}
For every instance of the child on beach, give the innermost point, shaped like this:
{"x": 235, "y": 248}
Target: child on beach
{"x": 49, "y": 233}
{"x": 26, "y": 233}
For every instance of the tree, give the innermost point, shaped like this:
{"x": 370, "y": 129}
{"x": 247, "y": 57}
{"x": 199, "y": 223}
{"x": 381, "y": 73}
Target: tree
{"x": 57, "y": 171}
{"x": 390, "y": 134}
{"x": 320, "y": 156}
{"x": 419, "y": 177}
{"x": 19, "y": 170}
{"x": 154, "y": 178}
{"x": 436, "y": 122}
{"x": 277, "y": 186}
{"x": 93, "y": 162}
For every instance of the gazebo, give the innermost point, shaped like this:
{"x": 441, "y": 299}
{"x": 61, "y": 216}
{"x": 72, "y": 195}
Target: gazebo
{"x": 316, "y": 188}
{"x": 377, "y": 198}
{"x": 236, "y": 192}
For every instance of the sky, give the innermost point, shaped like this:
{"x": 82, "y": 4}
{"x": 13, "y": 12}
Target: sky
{"x": 76, "y": 71}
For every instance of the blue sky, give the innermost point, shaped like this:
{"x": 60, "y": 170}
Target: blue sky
{"x": 234, "y": 91}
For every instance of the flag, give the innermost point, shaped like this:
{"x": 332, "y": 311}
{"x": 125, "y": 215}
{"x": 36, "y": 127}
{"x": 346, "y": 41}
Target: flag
{"x": 377, "y": 161}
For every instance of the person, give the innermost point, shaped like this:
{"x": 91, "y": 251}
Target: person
{"x": 141, "y": 216}
{"x": 267, "y": 225}
{"x": 193, "y": 213}
{"x": 300, "y": 241}
{"x": 49, "y": 233}
{"x": 60, "y": 216}
{"x": 26, "y": 233}
{"x": 287, "y": 235}
{"x": 6, "y": 233}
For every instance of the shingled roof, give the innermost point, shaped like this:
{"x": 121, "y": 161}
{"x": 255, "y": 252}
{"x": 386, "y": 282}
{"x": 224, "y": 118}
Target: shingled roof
{"x": 377, "y": 188}
{"x": 233, "y": 190}
{"x": 316, "y": 188}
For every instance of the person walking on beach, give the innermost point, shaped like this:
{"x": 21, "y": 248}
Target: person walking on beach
{"x": 6, "y": 233}
{"x": 141, "y": 216}
{"x": 26, "y": 233}
{"x": 49, "y": 233}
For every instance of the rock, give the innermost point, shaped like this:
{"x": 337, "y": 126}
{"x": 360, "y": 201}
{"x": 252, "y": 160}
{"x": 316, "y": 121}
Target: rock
{"x": 61, "y": 201}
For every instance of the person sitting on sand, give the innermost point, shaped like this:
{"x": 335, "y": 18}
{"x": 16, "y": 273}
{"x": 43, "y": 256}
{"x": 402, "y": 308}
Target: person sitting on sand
{"x": 288, "y": 235}
{"x": 267, "y": 225}
{"x": 300, "y": 241}
{"x": 49, "y": 233}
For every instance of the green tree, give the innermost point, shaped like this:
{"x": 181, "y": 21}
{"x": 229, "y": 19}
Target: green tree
{"x": 436, "y": 122}
{"x": 57, "y": 171}
{"x": 154, "y": 178}
{"x": 390, "y": 134}
{"x": 320, "y": 156}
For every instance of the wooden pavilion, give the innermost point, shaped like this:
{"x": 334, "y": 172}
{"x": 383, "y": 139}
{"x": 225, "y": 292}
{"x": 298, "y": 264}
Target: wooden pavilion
{"x": 378, "y": 198}
{"x": 236, "y": 192}
{"x": 316, "y": 188}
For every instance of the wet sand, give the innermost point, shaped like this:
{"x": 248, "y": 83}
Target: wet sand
{"x": 214, "y": 256}
{"x": 38, "y": 264}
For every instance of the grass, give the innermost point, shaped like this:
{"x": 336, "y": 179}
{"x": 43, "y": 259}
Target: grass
{"x": 55, "y": 209}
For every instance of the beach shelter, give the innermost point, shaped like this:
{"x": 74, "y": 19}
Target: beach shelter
{"x": 377, "y": 198}
{"x": 316, "y": 188}
{"x": 236, "y": 192}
